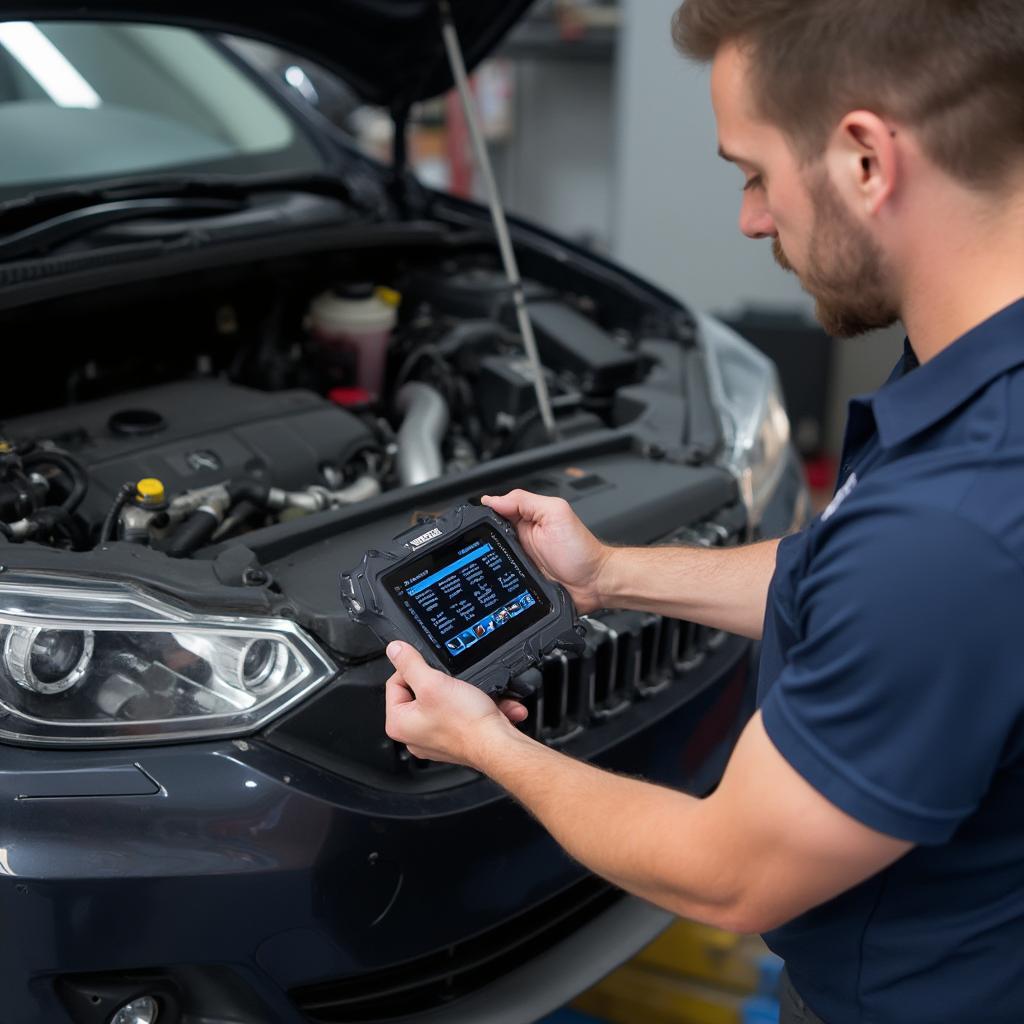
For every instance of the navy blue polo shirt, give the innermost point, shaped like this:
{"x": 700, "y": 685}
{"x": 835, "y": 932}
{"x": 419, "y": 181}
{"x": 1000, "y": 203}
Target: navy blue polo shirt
{"x": 892, "y": 679}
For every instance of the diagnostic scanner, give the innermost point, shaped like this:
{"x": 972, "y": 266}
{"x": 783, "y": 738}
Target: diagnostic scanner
{"x": 461, "y": 589}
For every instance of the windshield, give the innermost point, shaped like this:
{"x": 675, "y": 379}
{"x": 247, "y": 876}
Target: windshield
{"x": 82, "y": 101}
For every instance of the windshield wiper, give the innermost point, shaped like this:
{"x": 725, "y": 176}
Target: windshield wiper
{"x": 37, "y": 222}
{"x": 26, "y": 210}
{"x": 55, "y": 230}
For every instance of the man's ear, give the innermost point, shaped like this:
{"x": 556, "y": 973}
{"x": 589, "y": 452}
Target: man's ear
{"x": 863, "y": 160}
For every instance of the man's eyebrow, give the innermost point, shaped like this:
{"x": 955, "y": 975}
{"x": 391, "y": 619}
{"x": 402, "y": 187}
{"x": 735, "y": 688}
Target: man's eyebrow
{"x": 734, "y": 158}
{"x": 744, "y": 162}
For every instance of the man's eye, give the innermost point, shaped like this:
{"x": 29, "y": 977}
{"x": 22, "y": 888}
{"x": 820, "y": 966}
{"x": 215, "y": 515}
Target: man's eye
{"x": 752, "y": 183}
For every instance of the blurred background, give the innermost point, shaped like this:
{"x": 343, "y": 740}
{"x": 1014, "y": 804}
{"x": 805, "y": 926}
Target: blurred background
{"x": 600, "y": 131}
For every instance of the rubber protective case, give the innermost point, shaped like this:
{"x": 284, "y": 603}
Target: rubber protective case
{"x": 370, "y": 603}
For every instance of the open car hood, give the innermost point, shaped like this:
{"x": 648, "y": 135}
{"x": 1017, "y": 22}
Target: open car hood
{"x": 389, "y": 51}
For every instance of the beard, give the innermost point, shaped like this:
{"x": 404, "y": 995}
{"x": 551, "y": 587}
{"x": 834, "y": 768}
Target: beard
{"x": 846, "y": 270}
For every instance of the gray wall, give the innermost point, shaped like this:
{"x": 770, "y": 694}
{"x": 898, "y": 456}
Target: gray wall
{"x": 676, "y": 203}
{"x": 557, "y": 167}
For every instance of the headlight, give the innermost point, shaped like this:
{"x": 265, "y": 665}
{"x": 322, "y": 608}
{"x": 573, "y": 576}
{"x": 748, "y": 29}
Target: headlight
{"x": 84, "y": 662}
{"x": 746, "y": 391}
{"x": 47, "y": 660}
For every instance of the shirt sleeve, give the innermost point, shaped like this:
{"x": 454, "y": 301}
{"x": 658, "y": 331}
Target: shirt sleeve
{"x": 903, "y": 692}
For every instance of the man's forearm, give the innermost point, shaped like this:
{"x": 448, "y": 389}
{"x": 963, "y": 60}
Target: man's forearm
{"x": 725, "y": 588}
{"x": 619, "y": 828}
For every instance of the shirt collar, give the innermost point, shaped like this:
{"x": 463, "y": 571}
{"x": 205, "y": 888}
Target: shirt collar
{"x": 917, "y": 397}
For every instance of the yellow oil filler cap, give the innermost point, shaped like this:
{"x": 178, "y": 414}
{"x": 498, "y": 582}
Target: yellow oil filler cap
{"x": 150, "y": 491}
{"x": 388, "y": 296}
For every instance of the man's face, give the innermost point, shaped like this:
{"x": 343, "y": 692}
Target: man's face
{"x": 813, "y": 233}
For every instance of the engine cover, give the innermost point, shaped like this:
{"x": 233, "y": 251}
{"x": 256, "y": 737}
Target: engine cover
{"x": 195, "y": 433}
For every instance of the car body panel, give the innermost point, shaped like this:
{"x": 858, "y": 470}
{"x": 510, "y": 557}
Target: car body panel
{"x": 389, "y": 51}
{"x": 293, "y": 876}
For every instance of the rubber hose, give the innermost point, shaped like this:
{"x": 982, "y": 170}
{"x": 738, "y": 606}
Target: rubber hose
{"x": 193, "y": 533}
{"x": 109, "y": 530}
{"x": 71, "y": 466}
{"x": 246, "y": 489}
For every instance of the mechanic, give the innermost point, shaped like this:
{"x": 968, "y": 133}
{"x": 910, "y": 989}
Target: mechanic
{"x": 871, "y": 818}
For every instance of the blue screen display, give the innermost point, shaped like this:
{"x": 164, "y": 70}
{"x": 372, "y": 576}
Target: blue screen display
{"x": 469, "y": 597}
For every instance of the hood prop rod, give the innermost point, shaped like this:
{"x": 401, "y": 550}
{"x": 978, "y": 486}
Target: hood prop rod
{"x": 508, "y": 256}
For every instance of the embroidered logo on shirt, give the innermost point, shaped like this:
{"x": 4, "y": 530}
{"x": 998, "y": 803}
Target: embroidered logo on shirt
{"x": 841, "y": 495}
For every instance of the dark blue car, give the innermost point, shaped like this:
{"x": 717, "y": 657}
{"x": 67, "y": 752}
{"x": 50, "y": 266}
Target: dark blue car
{"x": 238, "y": 355}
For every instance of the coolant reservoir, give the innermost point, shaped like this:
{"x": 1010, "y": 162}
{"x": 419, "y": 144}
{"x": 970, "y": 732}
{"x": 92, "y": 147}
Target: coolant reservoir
{"x": 352, "y": 325}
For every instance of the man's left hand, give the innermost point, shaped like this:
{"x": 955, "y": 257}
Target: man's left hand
{"x": 441, "y": 718}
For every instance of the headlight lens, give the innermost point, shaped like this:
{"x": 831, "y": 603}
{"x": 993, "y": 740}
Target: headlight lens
{"x": 47, "y": 660}
{"x": 87, "y": 662}
{"x": 745, "y": 386}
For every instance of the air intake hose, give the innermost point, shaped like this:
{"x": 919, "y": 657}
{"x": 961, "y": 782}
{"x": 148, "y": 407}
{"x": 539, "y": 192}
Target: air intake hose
{"x": 424, "y": 423}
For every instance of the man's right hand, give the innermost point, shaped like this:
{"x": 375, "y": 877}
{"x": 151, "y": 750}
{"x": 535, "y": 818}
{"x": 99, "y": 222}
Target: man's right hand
{"x": 558, "y": 542}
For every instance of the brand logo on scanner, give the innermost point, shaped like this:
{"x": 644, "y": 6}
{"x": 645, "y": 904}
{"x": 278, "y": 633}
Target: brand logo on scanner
{"x": 424, "y": 537}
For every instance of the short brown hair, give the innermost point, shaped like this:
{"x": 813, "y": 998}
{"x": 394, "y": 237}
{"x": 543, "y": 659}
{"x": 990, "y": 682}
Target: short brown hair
{"x": 952, "y": 70}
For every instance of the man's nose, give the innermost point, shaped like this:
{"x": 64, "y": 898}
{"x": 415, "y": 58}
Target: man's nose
{"x": 755, "y": 220}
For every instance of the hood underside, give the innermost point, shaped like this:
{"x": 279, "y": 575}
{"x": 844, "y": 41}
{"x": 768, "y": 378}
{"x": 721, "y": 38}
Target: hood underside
{"x": 389, "y": 51}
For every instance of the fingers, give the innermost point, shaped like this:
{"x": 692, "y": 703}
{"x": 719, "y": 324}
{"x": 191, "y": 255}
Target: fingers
{"x": 396, "y": 695}
{"x": 396, "y": 692}
{"x": 513, "y": 710}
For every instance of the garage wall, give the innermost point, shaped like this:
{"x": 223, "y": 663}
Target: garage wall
{"x": 557, "y": 167}
{"x": 675, "y": 204}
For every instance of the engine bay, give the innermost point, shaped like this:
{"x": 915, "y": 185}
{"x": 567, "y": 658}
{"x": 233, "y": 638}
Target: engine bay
{"x": 201, "y": 412}
{"x": 188, "y": 462}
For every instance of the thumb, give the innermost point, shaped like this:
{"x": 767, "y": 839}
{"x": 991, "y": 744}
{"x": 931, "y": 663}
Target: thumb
{"x": 504, "y": 504}
{"x": 410, "y": 665}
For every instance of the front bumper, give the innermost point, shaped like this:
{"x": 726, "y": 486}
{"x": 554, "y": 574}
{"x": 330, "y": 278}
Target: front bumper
{"x": 238, "y": 880}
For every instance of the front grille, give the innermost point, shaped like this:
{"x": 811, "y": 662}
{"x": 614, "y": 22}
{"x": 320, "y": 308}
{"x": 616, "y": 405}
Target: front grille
{"x": 627, "y": 656}
{"x": 429, "y": 982}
